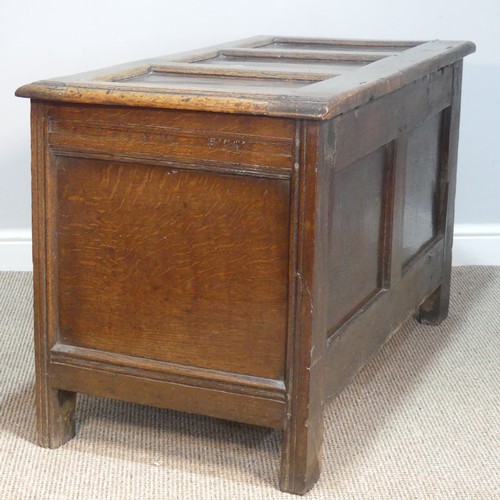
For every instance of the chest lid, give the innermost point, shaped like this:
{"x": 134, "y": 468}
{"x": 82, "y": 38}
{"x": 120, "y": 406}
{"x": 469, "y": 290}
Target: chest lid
{"x": 273, "y": 76}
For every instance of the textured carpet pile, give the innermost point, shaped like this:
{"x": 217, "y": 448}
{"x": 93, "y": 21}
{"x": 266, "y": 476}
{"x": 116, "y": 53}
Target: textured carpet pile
{"x": 422, "y": 421}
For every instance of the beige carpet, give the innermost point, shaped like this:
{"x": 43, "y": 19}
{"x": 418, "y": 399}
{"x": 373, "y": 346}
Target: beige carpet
{"x": 421, "y": 421}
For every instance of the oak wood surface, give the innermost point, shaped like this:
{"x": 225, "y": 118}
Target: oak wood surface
{"x": 140, "y": 388}
{"x": 186, "y": 271}
{"x": 236, "y": 143}
{"x": 396, "y": 110}
{"x": 54, "y": 407}
{"x": 301, "y": 456}
{"x": 236, "y": 231}
{"x": 361, "y": 72}
{"x": 361, "y": 187}
{"x": 422, "y": 187}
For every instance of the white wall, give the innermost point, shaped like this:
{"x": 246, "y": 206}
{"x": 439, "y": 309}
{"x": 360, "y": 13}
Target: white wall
{"x": 54, "y": 37}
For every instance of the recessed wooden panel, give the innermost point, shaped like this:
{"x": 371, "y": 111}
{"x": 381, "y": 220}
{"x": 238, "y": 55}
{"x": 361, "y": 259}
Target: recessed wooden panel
{"x": 155, "y": 78}
{"x": 421, "y": 188}
{"x": 174, "y": 265}
{"x": 356, "y": 236}
{"x": 285, "y": 64}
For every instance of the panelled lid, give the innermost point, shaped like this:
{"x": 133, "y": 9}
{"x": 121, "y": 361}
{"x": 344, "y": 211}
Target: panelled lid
{"x": 274, "y": 76}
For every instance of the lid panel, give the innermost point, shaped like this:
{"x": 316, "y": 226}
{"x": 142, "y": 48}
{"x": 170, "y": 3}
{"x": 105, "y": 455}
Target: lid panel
{"x": 286, "y": 63}
{"x": 290, "y": 65}
{"x": 272, "y": 76}
{"x": 212, "y": 82}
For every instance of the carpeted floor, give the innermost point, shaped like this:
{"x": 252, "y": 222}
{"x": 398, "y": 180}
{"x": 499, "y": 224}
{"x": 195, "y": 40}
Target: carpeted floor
{"x": 422, "y": 421}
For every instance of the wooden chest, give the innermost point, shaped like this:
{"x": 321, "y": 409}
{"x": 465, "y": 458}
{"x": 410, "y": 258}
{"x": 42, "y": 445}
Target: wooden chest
{"x": 235, "y": 231}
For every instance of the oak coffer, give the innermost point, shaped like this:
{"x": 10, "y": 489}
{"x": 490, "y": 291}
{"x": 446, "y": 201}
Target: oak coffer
{"x": 235, "y": 231}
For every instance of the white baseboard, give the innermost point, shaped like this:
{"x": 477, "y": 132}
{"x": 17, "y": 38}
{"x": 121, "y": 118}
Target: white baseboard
{"x": 15, "y": 250}
{"x": 474, "y": 244}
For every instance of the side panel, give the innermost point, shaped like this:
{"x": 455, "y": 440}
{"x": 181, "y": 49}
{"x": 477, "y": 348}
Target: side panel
{"x": 357, "y": 229}
{"x": 422, "y": 196}
{"x": 393, "y": 254}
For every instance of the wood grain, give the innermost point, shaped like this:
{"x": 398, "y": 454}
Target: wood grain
{"x": 247, "y": 144}
{"x": 187, "y": 272}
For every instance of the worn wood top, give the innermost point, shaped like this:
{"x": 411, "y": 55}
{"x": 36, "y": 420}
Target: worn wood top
{"x": 274, "y": 76}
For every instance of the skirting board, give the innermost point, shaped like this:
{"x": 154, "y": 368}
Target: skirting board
{"x": 15, "y": 250}
{"x": 476, "y": 245}
{"x": 473, "y": 244}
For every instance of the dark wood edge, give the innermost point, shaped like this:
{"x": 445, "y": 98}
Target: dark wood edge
{"x": 134, "y": 388}
{"x": 293, "y": 252}
{"x": 306, "y": 343}
{"x": 38, "y": 148}
{"x": 397, "y": 209}
{"x": 170, "y": 372}
{"x": 449, "y": 160}
{"x": 387, "y": 223}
